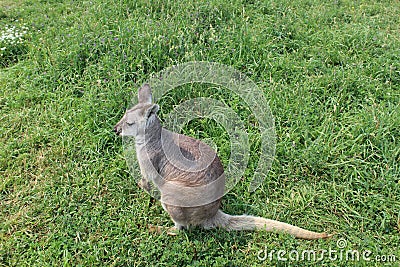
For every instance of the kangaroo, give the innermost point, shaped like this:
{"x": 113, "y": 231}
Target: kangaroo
{"x": 188, "y": 174}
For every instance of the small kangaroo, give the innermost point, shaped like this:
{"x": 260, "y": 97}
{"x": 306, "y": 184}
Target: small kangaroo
{"x": 188, "y": 174}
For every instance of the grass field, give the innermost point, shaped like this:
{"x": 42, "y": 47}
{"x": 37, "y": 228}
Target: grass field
{"x": 329, "y": 69}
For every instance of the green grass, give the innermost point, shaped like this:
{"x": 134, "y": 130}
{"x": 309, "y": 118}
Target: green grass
{"x": 331, "y": 73}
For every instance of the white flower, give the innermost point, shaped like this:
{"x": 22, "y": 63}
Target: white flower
{"x": 11, "y": 35}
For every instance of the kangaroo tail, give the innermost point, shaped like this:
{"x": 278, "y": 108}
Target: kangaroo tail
{"x": 244, "y": 222}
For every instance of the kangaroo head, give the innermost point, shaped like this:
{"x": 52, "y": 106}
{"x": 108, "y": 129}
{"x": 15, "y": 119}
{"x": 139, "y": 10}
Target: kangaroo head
{"x": 135, "y": 120}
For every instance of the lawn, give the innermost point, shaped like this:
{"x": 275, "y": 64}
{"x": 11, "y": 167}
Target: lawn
{"x": 330, "y": 71}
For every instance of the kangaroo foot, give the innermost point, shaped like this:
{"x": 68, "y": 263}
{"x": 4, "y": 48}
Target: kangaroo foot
{"x": 160, "y": 229}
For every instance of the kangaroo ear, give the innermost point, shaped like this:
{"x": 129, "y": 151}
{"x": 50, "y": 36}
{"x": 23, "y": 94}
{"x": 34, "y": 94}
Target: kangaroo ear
{"x": 144, "y": 94}
{"x": 153, "y": 109}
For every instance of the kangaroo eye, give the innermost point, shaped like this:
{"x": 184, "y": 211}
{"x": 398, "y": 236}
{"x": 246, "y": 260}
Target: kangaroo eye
{"x": 130, "y": 123}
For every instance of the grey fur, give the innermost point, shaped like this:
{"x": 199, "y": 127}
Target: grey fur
{"x": 188, "y": 174}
